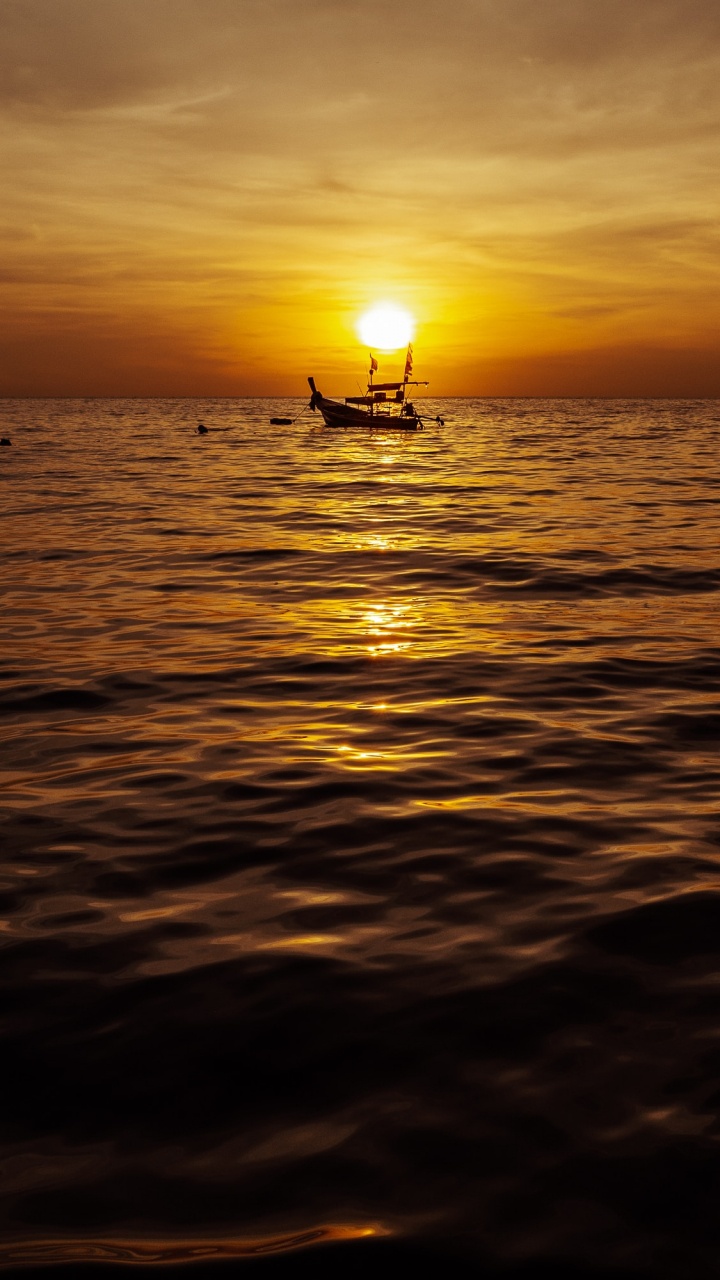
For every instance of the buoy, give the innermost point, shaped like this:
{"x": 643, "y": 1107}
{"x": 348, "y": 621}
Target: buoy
{"x": 202, "y": 429}
{"x": 5, "y": 440}
{"x": 281, "y": 422}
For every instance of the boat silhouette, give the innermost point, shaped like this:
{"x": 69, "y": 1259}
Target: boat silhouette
{"x": 384, "y": 406}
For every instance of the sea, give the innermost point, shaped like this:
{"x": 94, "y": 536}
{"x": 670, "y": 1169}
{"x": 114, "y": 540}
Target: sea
{"x": 361, "y": 840}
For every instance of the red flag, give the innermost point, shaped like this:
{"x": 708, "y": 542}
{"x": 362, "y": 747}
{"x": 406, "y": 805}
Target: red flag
{"x": 373, "y": 364}
{"x": 408, "y": 361}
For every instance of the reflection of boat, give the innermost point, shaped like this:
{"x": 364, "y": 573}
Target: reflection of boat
{"x": 384, "y": 406}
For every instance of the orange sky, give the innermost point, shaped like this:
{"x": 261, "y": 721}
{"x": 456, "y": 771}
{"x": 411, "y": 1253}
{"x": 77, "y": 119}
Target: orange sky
{"x": 201, "y": 196}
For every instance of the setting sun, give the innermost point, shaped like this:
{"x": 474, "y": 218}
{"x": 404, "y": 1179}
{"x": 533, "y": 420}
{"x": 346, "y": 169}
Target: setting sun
{"x": 386, "y": 327}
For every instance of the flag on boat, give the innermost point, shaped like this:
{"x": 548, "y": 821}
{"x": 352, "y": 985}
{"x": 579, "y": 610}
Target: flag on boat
{"x": 408, "y": 361}
{"x": 373, "y": 364}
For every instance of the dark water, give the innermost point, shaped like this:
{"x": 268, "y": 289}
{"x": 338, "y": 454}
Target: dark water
{"x": 361, "y": 875}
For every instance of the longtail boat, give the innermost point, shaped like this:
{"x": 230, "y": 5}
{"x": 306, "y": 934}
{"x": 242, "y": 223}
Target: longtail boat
{"x": 384, "y": 407}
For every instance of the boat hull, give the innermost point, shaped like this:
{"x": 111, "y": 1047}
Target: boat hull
{"x": 345, "y": 415}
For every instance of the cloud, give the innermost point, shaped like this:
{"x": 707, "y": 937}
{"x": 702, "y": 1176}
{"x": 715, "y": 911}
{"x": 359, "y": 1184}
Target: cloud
{"x": 78, "y": 53}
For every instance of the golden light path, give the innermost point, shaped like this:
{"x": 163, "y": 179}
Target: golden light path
{"x": 386, "y": 327}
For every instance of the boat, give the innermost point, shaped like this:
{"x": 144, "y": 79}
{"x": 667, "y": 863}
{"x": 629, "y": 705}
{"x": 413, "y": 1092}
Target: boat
{"x": 384, "y": 407}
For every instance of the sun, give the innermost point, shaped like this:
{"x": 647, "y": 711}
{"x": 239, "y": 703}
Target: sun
{"x": 386, "y": 327}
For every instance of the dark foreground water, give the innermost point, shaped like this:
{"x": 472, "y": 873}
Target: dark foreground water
{"x": 361, "y": 866}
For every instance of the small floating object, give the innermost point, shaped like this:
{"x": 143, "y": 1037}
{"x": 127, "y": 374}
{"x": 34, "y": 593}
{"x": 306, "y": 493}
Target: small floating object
{"x": 281, "y": 422}
{"x": 202, "y": 429}
{"x": 5, "y": 440}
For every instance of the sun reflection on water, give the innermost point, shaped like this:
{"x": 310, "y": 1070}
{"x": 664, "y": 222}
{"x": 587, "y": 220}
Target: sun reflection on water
{"x": 384, "y": 621}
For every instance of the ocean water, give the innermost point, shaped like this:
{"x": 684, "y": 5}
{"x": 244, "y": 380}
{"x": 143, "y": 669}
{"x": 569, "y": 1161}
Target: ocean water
{"x": 361, "y": 838}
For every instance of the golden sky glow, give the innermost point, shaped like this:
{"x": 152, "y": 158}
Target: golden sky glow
{"x": 204, "y": 196}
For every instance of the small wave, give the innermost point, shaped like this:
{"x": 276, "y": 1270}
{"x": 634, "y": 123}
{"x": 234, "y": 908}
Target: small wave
{"x": 45, "y": 1252}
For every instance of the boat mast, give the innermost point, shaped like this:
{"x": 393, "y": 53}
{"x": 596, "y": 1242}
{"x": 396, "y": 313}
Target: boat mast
{"x": 408, "y": 371}
{"x": 373, "y": 367}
